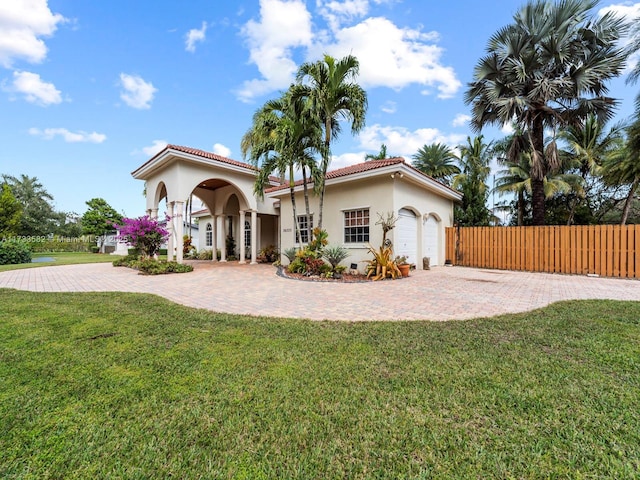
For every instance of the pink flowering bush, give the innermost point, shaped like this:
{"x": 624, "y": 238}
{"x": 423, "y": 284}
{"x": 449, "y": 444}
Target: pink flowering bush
{"x": 143, "y": 233}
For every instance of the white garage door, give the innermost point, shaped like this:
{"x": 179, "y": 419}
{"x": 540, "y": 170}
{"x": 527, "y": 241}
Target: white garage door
{"x": 431, "y": 247}
{"x": 407, "y": 243}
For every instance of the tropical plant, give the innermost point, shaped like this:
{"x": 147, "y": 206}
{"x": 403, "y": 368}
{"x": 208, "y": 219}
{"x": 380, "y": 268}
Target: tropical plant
{"x": 437, "y": 161}
{"x": 144, "y": 234}
{"x": 284, "y": 136}
{"x": 624, "y": 168}
{"x": 330, "y": 89}
{"x": 380, "y": 156}
{"x": 471, "y": 182}
{"x": 383, "y": 265}
{"x": 334, "y": 254}
{"x": 547, "y": 70}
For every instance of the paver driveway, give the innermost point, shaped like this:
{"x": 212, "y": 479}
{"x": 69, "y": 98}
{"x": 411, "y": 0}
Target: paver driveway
{"x": 442, "y": 293}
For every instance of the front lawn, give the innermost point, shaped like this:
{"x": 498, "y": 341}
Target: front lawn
{"x": 97, "y": 385}
{"x": 62, "y": 258}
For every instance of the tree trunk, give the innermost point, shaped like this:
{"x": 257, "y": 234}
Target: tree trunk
{"x": 325, "y": 165}
{"x": 306, "y": 201}
{"x": 627, "y": 202}
{"x": 520, "y": 208}
{"x": 539, "y": 171}
{"x": 296, "y": 227}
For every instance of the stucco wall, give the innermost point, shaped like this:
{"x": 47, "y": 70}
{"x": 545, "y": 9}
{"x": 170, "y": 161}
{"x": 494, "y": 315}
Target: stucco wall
{"x": 379, "y": 194}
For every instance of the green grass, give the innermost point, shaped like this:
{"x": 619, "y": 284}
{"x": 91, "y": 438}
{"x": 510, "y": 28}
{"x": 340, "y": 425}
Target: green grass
{"x": 97, "y": 385}
{"x": 62, "y": 258}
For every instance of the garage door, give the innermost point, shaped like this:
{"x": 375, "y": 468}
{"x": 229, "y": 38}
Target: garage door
{"x": 431, "y": 247}
{"x": 407, "y": 239}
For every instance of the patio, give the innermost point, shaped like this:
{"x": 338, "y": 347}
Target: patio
{"x": 443, "y": 293}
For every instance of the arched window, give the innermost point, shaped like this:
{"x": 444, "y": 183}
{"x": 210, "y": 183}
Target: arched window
{"x": 209, "y": 236}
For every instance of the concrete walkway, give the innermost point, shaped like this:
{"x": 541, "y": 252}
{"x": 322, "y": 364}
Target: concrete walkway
{"x": 442, "y": 293}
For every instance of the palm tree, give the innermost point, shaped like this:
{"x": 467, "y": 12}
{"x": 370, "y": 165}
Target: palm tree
{"x": 472, "y": 182}
{"x": 330, "y": 88}
{"x": 436, "y": 160}
{"x": 380, "y": 156}
{"x": 634, "y": 47}
{"x": 283, "y": 137}
{"x": 624, "y": 168}
{"x": 545, "y": 71}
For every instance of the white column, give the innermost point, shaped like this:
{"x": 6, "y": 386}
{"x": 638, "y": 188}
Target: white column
{"x": 242, "y": 233}
{"x": 154, "y": 213}
{"x": 214, "y": 238}
{"x": 222, "y": 226}
{"x": 179, "y": 226}
{"x": 148, "y": 212}
{"x": 170, "y": 229}
{"x": 254, "y": 236}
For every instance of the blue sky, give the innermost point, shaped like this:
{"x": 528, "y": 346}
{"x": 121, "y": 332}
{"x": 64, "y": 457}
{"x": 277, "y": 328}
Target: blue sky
{"x": 89, "y": 90}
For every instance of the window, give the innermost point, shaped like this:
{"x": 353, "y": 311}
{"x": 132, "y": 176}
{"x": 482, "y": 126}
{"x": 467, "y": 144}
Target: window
{"x": 356, "y": 226}
{"x": 305, "y": 224}
{"x": 247, "y": 235}
{"x": 209, "y": 236}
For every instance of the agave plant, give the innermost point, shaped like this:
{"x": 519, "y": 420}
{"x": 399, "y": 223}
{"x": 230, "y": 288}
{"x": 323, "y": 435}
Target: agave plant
{"x": 383, "y": 265}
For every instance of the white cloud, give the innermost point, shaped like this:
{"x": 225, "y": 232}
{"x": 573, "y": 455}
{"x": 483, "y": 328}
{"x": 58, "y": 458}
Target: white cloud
{"x": 194, "y": 36}
{"x": 336, "y": 12}
{"x": 222, "y": 150}
{"x": 347, "y": 159}
{"x": 22, "y": 23}
{"x": 389, "y": 107}
{"x": 283, "y": 25}
{"x": 402, "y": 141}
{"x": 34, "y": 89}
{"x": 508, "y": 129}
{"x": 461, "y": 120}
{"x": 68, "y": 136}
{"x": 394, "y": 57}
{"x": 154, "y": 148}
{"x": 631, "y": 13}
{"x": 137, "y": 93}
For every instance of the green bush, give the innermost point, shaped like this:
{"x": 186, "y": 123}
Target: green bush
{"x": 150, "y": 266}
{"x": 54, "y": 245}
{"x": 95, "y": 249}
{"x": 162, "y": 251}
{"x": 335, "y": 254}
{"x": 133, "y": 252}
{"x": 14, "y": 251}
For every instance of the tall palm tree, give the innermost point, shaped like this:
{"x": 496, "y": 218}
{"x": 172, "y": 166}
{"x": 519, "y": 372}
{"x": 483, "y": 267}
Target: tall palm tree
{"x": 634, "y": 47}
{"x": 284, "y": 136}
{"x": 437, "y": 161}
{"x": 330, "y": 88}
{"x": 624, "y": 168}
{"x": 548, "y": 69}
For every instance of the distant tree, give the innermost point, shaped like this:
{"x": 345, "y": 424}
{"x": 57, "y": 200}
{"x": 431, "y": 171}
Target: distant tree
{"x": 99, "y": 219}
{"x": 380, "y": 156}
{"x": 472, "y": 183}
{"x": 10, "y": 213}
{"x": 38, "y": 216}
{"x": 69, "y": 224}
{"x": 437, "y": 161}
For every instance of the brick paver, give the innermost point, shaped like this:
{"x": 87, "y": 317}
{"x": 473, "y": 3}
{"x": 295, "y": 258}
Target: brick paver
{"x": 442, "y": 293}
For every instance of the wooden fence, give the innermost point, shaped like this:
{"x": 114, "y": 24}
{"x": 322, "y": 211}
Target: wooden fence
{"x": 605, "y": 250}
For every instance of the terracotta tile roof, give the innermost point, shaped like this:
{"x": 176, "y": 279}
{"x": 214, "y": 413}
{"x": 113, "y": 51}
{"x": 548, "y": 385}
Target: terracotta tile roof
{"x": 350, "y": 170}
{"x": 209, "y": 155}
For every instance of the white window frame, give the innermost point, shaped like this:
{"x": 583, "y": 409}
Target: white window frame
{"x": 306, "y": 230}
{"x": 353, "y": 238}
{"x": 208, "y": 241}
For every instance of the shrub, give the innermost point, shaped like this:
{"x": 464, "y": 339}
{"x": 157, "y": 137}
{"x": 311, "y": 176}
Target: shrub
{"x": 290, "y": 253}
{"x": 95, "y": 249}
{"x": 150, "y": 266}
{"x": 133, "y": 252}
{"x": 143, "y": 233}
{"x": 268, "y": 254}
{"x": 162, "y": 251}
{"x": 14, "y": 251}
{"x": 335, "y": 254}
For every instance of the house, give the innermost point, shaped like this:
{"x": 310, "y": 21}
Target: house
{"x": 354, "y": 198}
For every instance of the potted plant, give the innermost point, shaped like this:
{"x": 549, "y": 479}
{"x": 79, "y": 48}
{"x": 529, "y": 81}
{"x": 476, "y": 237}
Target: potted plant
{"x": 403, "y": 266}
